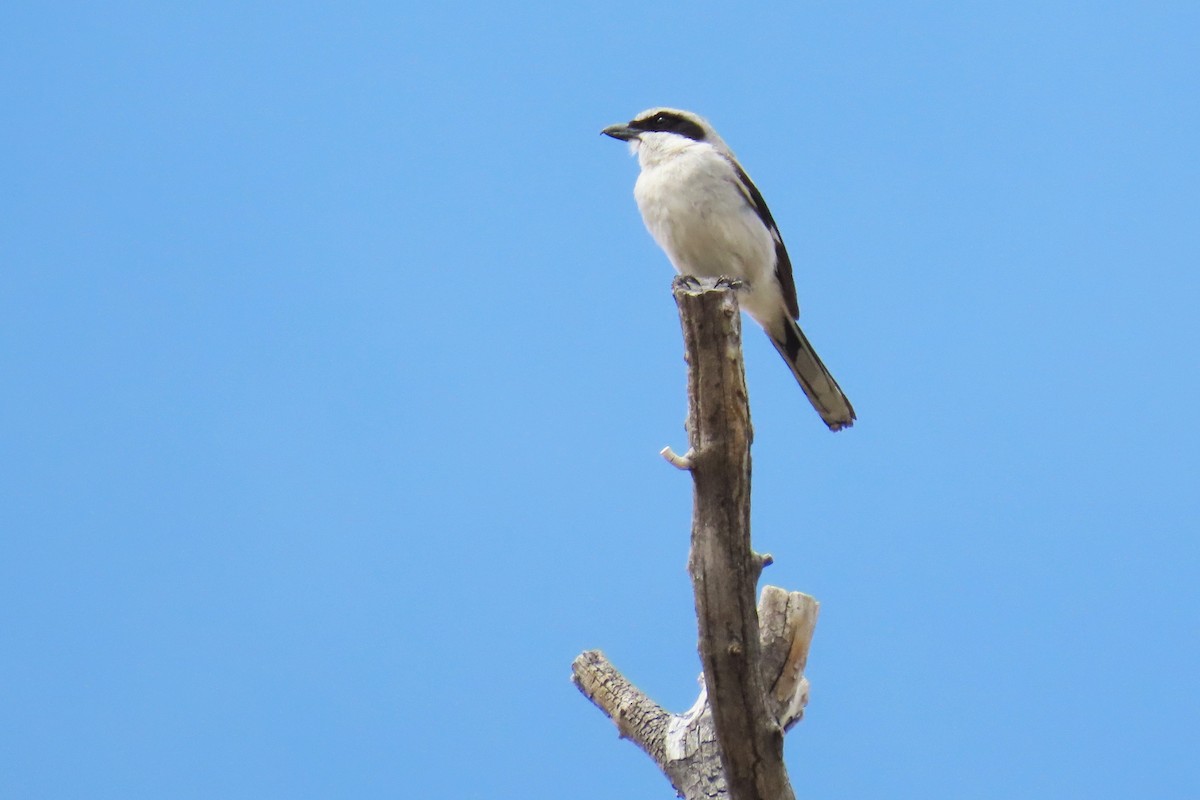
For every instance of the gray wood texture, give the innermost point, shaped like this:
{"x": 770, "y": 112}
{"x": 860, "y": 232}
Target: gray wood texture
{"x": 730, "y": 743}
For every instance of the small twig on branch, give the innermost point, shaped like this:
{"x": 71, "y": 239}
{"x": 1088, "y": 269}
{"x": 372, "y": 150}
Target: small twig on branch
{"x": 760, "y": 561}
{"x": 680, "y": 461}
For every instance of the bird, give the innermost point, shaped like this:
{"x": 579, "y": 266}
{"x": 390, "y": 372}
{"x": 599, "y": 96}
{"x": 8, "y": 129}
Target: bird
{"x": 712, "y": 222}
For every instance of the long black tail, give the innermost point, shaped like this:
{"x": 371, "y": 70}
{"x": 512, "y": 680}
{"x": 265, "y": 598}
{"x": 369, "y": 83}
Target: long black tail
{"x": 822, "y": 390}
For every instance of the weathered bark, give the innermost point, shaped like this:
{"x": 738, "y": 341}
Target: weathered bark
{"x": 730, "y": 743}
{"x": 724, "y": 569}
{"x": 685, "y": 745}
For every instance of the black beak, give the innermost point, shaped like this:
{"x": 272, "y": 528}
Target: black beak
{"x": 622, "y": 132}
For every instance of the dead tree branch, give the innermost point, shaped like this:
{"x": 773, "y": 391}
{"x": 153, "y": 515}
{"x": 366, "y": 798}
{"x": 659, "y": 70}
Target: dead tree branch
{"x": 730, "y": 743}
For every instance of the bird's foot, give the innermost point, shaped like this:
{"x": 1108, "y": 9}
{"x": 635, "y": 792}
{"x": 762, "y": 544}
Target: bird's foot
{"x": 689, "y": 282}
{"x": 732, "y": 283}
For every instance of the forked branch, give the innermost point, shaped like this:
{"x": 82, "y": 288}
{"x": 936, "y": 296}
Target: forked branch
{"x": 730, "y": 743}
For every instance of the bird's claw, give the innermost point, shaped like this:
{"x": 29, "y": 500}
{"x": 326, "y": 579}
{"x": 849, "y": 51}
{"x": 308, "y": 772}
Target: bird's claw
{"x": 689, "y": 282}
{"x": 732, "y": 283}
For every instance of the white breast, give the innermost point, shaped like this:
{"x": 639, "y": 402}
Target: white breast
{"x": 695, "y": 210}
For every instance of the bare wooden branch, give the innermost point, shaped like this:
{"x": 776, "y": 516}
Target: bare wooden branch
{"x": 684, "y": 746}
{"x": 786, "y": 624}
{"x": 637, "y": 717}
{"x": 723, "y": 567}
{"x": 730, "y": 743}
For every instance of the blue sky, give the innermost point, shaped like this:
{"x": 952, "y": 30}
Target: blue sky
{"x": 336, "y": 362}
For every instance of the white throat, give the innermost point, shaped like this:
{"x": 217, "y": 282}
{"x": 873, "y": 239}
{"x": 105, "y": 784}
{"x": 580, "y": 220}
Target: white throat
{"x": 653, "y": 149}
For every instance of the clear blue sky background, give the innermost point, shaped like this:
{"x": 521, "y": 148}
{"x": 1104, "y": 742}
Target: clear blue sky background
{"x": 336, "y": 362}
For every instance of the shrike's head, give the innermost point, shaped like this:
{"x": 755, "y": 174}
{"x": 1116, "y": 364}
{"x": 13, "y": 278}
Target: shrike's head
{"x": 661, "y": 132}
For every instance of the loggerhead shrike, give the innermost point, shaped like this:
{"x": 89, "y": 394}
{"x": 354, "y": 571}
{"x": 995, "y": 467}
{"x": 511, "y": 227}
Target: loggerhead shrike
{"x": 703, "y": 210}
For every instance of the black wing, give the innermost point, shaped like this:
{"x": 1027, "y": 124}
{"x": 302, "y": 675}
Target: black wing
{"x": 783, "y": 264}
